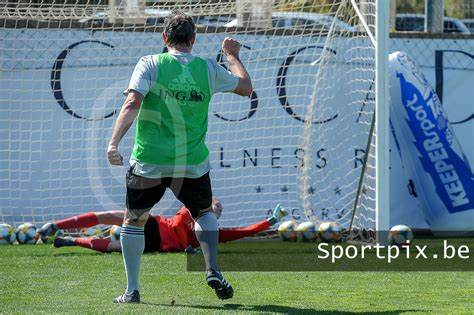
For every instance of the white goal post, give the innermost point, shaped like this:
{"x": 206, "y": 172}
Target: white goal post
{"x": 306, "y": 137}
{"x": 382, "y": 106}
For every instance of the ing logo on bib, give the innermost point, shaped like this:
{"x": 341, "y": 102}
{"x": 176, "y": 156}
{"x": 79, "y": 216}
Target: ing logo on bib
{"x": 184, "y": 88}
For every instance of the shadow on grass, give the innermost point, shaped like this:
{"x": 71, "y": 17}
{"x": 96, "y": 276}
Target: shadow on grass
{"x": 273, "y": 309}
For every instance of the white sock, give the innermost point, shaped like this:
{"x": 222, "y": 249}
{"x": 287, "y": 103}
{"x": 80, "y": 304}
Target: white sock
{"x": 132, "y": 239}
{"x": 207, "y": 233}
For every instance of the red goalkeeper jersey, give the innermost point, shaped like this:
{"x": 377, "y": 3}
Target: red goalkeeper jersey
{"x": 177, "y": 232}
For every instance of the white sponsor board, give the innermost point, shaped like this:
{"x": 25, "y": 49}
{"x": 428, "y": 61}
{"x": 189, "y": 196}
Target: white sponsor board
{"x": 60, "y": 90}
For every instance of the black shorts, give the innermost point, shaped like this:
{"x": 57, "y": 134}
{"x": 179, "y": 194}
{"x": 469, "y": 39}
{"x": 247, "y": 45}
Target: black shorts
{"x": 143, "y": 193}
{"x": 152, "y": 235}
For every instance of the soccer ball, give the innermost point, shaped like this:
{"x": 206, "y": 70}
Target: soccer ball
{"x": 287, "y": 232}
{"x": 93, "y": 231}
{"x": 115, "y": 232}
{"x": 50, "y": 238}
{"x": 306, "y": 232}
{"x": 26, "y": 234}
{"x": 400, "y": 235}
{"x": 329, "y": 232}
{"x": 7, "y": 234}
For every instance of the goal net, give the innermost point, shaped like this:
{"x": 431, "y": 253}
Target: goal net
{"x": 302, "y": 139}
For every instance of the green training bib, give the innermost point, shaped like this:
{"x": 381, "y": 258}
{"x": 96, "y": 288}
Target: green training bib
{"x": 172, "y": 121}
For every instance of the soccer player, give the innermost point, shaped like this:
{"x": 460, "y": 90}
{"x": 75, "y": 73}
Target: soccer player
{"x": 169, "y": 94}
{"x": 173, "y": 234}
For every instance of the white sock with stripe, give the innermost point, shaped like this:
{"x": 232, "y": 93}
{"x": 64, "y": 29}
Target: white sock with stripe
{"x": 132, "y": 239}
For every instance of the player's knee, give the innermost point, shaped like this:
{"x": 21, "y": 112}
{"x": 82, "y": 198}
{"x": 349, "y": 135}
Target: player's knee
{"x": 136, "y": 218}
{"x": 202, "y": 212}
{"x": 135, "y": 222}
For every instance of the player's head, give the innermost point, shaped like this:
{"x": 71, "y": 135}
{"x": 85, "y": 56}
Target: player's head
{"x": 217, "y": 207}
{"x": 179, "y": 29}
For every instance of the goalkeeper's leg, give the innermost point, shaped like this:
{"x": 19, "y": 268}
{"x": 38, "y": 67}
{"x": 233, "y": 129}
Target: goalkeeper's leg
{"x": 84, "y": 220}
{"x": 76, "y": 222}
{"x": 100, "y": 245}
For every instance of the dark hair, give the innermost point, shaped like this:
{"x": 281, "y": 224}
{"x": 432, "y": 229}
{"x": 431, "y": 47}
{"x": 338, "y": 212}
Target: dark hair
{"x": 179, "y": 28}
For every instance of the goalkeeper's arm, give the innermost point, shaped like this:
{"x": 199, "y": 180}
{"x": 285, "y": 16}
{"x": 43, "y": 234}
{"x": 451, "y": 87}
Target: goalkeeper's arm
{"x": 226, "y": 235}
{"x": 232, "y": 234}
{"x": 127, "y": 115}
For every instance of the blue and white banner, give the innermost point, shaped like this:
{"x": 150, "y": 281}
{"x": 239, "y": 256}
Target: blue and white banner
{"x": 430, "y": 148}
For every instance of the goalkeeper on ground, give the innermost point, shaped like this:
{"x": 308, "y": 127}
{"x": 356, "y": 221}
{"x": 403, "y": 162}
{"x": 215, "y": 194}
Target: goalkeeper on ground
{"x": 169, "y": 95}
{"x": 174, "y": 234}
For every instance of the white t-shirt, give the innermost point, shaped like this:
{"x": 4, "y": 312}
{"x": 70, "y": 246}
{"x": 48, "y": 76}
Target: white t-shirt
{"x": 144, "y": 77}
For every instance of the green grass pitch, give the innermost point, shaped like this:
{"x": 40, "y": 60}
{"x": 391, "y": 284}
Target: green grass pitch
{"x": 42, "y": 279}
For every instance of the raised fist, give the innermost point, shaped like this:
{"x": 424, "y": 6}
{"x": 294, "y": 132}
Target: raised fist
{"x": 230, "y": 46}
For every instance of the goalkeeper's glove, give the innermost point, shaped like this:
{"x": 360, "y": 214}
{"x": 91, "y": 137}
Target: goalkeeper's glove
{"x": 278, "y": 213}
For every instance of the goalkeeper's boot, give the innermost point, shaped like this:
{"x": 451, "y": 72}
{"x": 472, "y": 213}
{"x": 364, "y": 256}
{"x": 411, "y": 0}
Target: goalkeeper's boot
{"x": 48, "y": 229}
{"x": 60, "y": 242}
{"x": 216, "y": 281}
{"x": 278, "y": 213}
{"x": 133, "y": 297}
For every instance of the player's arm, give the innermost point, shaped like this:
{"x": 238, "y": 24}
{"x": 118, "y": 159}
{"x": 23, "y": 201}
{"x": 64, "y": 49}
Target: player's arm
{"x": 127, "y": 115}
{"x": 231, "y": 49}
